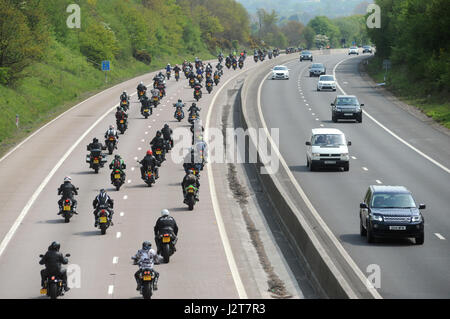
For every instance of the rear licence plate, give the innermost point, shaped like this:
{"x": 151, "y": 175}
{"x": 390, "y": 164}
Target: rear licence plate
{"x": 67, "y": 208}
{"x": 166, "y": 240}
{"x": 147, "y": 278}
{"x": 397, "y": 227}
{"x": 103, "y": 220}
{"x": 117, "y": 176}
{"x": 330, "y": 162}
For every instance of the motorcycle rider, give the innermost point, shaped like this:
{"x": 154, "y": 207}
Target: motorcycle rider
{"x": 190, "y": 161}
{"x": 177, "y": 105}
{"x": 194, "y": 109}
{"x": 112, "y": 132}
{"x": 124, "y": 96}
{"x": 95, "y": 145}
{"x": 165, "y": 224}
{"x": 168, "y": 68}
{"x": 67, "y": 189}
{"x": 52, "y": 261}
{"x": 146, "y": 258}
{"x": 121, "y": 115}
{"x": 141, "y": 88}
{"x": 146, "y": 103}
{"x": 103, "y": 199}
{"x": 188, "y": 180}
{"x": 176, "y": 69}
{"x": 210, "y": 80}
{"x": 198, "y": 86}
{"x": 201, "y": 148}
{"x": 158, "y": 142}
{"x": 149, "y": 161}
{"x": 167, "y": 134}
{"x": 117, "y": 163}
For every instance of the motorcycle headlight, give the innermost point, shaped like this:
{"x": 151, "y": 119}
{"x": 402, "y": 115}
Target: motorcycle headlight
{"x": 377, "y": 218}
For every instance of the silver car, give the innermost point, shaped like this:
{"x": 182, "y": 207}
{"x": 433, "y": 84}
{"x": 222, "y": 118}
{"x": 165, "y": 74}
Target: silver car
{"x": 317, "y": 69}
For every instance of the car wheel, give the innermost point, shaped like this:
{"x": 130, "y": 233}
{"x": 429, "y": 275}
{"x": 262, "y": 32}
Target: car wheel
{"x": 318, "y": 90}
{"x": 334, "y": 119}
{"x": 346, "y": 167}
{"x": 359, "y": 118}
{"x": 310, "y": 75}
{"x": 420, "y": 239}
{"x": 334, "y": 90}
{"x": 362, "y": 230}
{"x": 307, "y": 161}
{"x": 311, "y": 166}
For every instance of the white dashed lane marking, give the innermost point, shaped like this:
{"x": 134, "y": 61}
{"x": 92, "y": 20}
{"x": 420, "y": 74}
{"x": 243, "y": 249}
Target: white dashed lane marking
{"x": 115, "y": 260}
{"x": 118, "y": 234}
{"x": 378, "y": 181}
{"x": 439, "y": 236}
{"x": 365, "y": 168}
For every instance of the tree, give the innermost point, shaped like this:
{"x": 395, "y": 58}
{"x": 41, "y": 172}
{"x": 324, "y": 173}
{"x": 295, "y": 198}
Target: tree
{"x": 293, "y": 30}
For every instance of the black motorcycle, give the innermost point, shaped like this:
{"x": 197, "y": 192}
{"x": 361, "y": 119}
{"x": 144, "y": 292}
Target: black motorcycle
{"x": 111, "y": 144}
{"x": 53, "y": 286}
{"x": 104, "y": 220}
{"x": 167, "y": 246}
{"x": 96, "y": 159}
{"x": 67, "y": 209}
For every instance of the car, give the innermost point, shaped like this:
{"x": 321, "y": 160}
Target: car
{"x": 346, "y": 107}
{"x": 353, "y": 50}
{"x": 326, "y": 82}
{"x": 327, "y": 147}
{"x": 317, "y": 69}
{"x": 280, "y": 72}
{"x": 367, "y": 49}
{"x": 390, "y": 212}
{"x": 306, "y": 55}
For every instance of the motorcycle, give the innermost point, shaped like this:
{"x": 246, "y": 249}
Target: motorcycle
{"x": 241, "y": 65}
{"x": 177, "y": 76}
{"x": 168, "y": 74}
{"x": 96, "y": 159}
{"x": 155, "y": 100}
{"x": 118, "y": 179}
{"x": 209, "y": 87}
{"x": 162, "y": 91}
{"x": 67, "y": 209}
{"x": 216, "y": 79}
{"x": 192, "y": 117}
{"x": 141, "y": 94}
{"x": 167, "y": 246}
{"x": 197, "y": 94}
{"x": 220, "y": 59}
{"x": 228, "y": 65}
{"x": 111, "y": 144}
{"x": 53, "y": 286}
{"x": 104, "y": 220}
{"x": 191, "y": 196}
{"x": 261, "y": 58}
{"x": 146, "y": 112}
{"x": 200, "y": 78}
{"x": 146, "y": 277}
{"x": 270, "y": 56}
{"x": 159, "y": 154}
{"x": 234, "y": 65}
{"x": 150, "y": 178}
{"x": 179, "y": 114}
{"x": 121, "y": 126}
{"x": 192, "y": 82}
{"x": 255, "y": 58}
{"x": 124, "y": 105}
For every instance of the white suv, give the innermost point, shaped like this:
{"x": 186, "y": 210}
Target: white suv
{"x": 326, "y": 82}
{"x": 353, "y": 50}
{"x": 327, "y": 147}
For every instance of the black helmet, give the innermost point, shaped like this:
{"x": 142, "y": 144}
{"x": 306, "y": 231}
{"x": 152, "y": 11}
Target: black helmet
{"x": 146, "y": 245}
{"x": 54, "y": 246}
{"x": 95, "y": 140}
{"x": 194, "y": 104}
{"x": 117, "y": 156}
{"x": 158, "y": 133}
{"x": 102, "y": 191}
{"x": 166, "y": 125}
{"x": 179, "y": 100}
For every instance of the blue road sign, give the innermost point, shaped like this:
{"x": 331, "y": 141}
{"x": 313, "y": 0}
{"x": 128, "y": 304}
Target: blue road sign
{"x": 106, "y": 66}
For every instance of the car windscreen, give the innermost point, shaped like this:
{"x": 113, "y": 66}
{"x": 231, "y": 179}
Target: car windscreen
{"x": 326, "y": 78}
{"x": 280, "y": 68}
{"x": 392, "y": 200}
{"x": 347, "y": 101}
{"x": 328, "y": 140}
{"x": 306, "y": 53}
{"x": 317, "y": 66}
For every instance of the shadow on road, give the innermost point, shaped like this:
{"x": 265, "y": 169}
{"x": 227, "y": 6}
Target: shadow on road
{"x": 358, "y": 240}
{"x": 88, "y": 233}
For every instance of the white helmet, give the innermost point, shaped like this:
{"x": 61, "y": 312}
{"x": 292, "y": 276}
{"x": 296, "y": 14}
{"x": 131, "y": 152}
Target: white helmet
{"x": 165, "y": 212}
{"x": 67, "y": 179}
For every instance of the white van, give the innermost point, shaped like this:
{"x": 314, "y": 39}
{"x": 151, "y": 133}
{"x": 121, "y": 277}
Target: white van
{"x": 327, "y": 148}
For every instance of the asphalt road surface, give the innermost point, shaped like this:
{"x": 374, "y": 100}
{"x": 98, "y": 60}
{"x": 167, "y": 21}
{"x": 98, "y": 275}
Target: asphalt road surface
{"x": 30, "y": 176}
{"x": 377, "y": 157}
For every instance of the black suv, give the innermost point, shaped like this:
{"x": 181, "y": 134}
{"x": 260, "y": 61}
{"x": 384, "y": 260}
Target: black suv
{"x": 346, "y": 107}
{"x": 390, "y": 211}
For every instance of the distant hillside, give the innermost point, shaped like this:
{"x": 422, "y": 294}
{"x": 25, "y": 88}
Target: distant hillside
{"x": 305, "y": 10}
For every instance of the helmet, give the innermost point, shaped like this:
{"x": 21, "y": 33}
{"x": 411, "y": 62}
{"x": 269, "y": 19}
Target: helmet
{"x": 179, "y": 100}
{"x": 146, "y": 245}
{"x": 168, "y": 64}
{"x": 166, "y": 125}
{"x": 149, "y": 152}
{"x": 141, "y": 83}
{"x": 102, "y": 191}
{"x": 95, "y": 140}
{"x": 158, "y": 133}
{"x": 124, "y": 92}
{"x": 165, "y": 212}
{"x": 67, "y": 179}
{"x": 194, "y": 104}
{"x": 117, "y": 156}
{"x": 54, "y": 246}
{"x": 111, "y": 127}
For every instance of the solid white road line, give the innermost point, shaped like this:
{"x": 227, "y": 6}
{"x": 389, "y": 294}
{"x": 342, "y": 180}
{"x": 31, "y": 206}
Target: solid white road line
{"x": 439, "y": 236}
{"x": 388, "y": 130}
{"x": 308, "y": 203}
{"x": 220, "y": 224}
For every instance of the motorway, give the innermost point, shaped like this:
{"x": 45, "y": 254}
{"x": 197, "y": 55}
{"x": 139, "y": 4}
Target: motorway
{"x": 202, "y": 267}
{"x": 398, "y": 149}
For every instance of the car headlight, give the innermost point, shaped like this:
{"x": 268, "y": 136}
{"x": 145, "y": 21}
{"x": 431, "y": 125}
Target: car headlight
{"x": 416, "y": 219}
{"x": 315, "y": 154}
{"x": 377, "y": 218}
{"x": 344, "y": 156}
